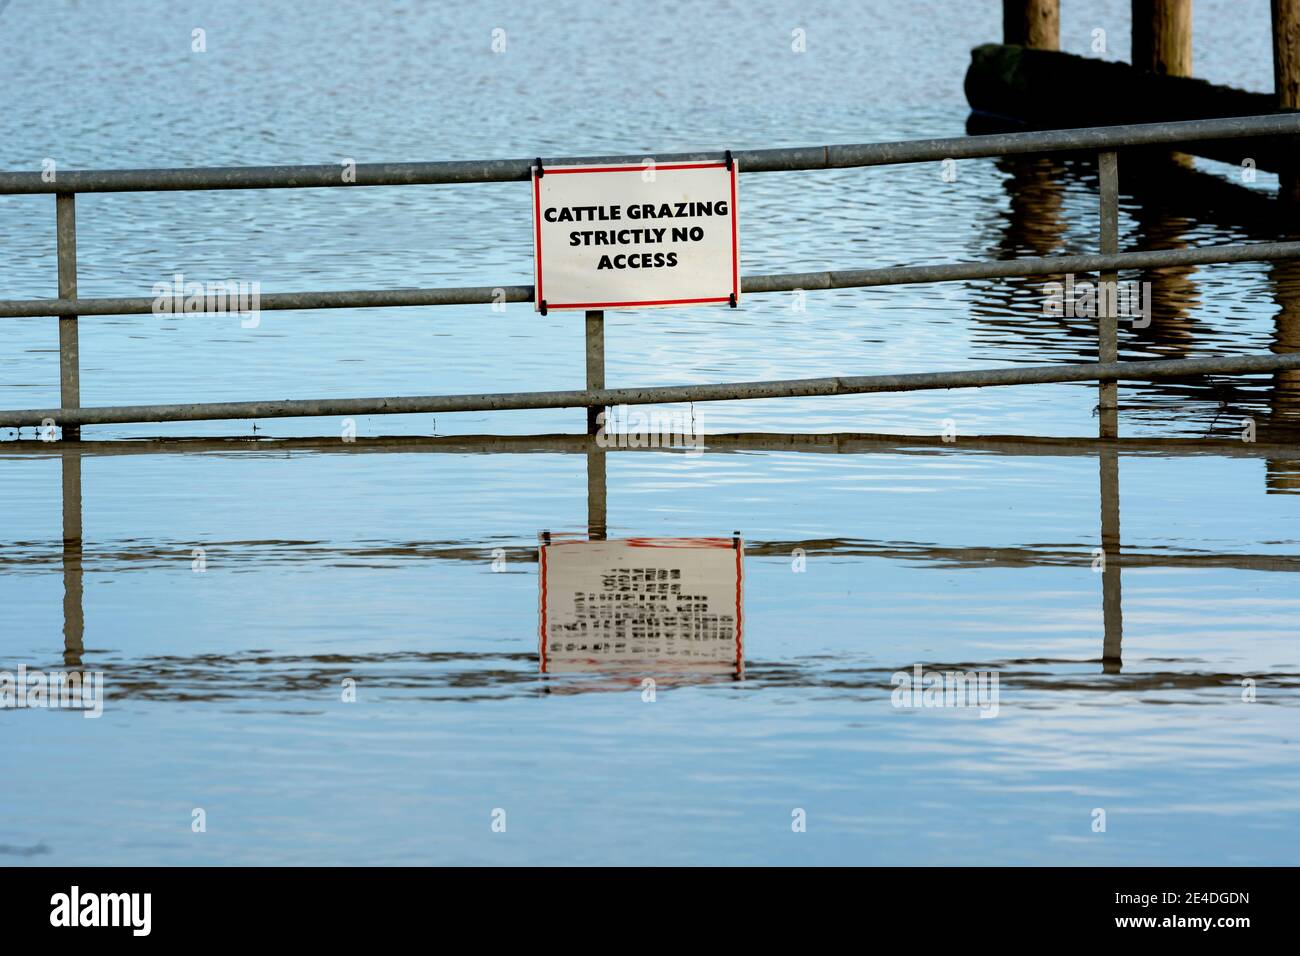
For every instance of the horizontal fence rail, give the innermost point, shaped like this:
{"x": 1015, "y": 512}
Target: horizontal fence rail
{"x": 781, "y": 282}
{"x": 797, "y": 158}
{"x": 660, "y": 394}
{"x": 69, "y": 308}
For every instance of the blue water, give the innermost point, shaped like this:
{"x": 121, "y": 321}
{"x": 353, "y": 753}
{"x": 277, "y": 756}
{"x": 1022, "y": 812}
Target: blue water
{"x": 374, "y": 561}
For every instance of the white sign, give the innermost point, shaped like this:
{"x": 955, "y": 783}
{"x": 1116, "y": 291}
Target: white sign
{"x": 658, "y": 604}
{"x": 635, "y": 236}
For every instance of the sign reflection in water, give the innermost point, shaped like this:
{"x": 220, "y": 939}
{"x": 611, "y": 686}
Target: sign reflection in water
{"x": 647, "y": 605}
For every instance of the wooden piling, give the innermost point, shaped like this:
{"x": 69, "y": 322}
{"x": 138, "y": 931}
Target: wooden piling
{"x": 1162, "y": 44}
{"x": 1162, "y": 36}
{"x": 1286, "y": 79}
{"x": 1032, "y": 23}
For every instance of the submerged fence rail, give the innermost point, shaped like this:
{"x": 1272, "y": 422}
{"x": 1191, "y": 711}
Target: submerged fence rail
{"x": 68, "y": 307}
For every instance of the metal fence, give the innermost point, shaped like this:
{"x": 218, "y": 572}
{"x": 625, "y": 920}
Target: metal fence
{"x": 1107, "y": 370}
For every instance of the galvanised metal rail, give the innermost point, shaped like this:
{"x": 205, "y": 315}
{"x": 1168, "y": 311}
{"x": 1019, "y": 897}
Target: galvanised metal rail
{"x": 752, "y": 160}
{"x": 663, "y": 394}
{"x": 1106, "y": 140}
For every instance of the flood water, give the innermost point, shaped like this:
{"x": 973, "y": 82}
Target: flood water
{"x": 1137, "y": 601}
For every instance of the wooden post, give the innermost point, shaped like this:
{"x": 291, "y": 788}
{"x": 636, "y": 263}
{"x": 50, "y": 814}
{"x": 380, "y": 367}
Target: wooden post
{"x": 1286, "y": 53}
{"x": 1162, "y": 36}
{"x": 595, "y": 363}
{"x": 1032, "y": 23}
{"x": 1286, "y": 78}
{"x": 65, "y": 215}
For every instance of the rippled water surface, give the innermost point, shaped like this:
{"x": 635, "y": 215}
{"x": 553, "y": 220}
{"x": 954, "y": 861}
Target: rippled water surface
{"x": 407, "y": 561}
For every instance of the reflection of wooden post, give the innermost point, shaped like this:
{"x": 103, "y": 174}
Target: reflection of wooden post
{"x": 1173, "y": 294}
{"x": 1112, "y": 610}
{"x": 596, "y": 506}
{"x": 1034, "y": 225}
{"x": 1162, "y": 36}
{"x": 1286, "y": 76}
{"x": 1283, "y": 475}
{"x": 1035, "y": 197}
{"x": 1284, "y": 402}
{"x": 74, "y": 622}
{"x": 1032, "y": 23}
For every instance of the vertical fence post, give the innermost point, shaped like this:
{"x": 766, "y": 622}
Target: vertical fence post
{"x": 595, "y": 362}
{"x": 1107, "y": 331}
{"x": 65, "y": 215}
{"x": 596, "y": 462}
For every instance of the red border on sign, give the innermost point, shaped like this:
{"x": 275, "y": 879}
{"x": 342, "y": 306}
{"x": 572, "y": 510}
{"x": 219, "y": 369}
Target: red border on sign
{"x": 537, "y": 217}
